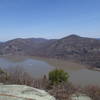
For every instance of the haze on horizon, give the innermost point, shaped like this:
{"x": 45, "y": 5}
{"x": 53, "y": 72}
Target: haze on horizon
{"x": 49, "y": 18}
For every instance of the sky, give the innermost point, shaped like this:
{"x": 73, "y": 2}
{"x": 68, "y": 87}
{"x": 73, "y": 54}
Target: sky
{"x": 49, "y": 18}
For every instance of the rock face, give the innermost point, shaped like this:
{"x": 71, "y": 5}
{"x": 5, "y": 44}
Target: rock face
{"x": 80, "y": 97}
{"x": 22, "y": 92}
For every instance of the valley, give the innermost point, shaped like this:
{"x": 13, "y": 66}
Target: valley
{"x": 75, "y": 48}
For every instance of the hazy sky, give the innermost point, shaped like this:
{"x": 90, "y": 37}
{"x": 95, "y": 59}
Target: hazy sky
{"x": 49, "y": 18}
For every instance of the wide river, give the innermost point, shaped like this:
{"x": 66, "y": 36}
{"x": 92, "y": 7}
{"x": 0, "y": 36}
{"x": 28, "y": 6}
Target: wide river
{"x": 37, "y": 67}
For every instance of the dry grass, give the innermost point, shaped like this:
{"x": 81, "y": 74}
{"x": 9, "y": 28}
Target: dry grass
{"x": 61, "y": 91}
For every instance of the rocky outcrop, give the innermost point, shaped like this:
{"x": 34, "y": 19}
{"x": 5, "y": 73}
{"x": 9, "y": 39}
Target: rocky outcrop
{"x": 22, "y": 92}
{"x": 80, "y": 97}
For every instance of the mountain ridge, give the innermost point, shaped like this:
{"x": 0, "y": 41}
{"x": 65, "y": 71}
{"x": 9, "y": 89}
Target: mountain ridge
{"x": 73, "y": 47}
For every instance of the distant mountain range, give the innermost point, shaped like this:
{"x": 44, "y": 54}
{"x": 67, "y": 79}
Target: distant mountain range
{"x": 73, "y": 47}
{"x": 98, "y": 38}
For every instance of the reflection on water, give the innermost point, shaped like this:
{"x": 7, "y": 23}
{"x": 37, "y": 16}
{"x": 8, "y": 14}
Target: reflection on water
{"x": 37, "y": 67}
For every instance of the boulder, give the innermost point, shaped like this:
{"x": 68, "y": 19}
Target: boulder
{"x": 23, "y": 92}
{"x": 80, "y": 97}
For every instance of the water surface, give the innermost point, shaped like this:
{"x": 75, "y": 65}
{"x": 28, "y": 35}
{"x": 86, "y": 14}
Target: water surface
{"x": 38, "y": 67}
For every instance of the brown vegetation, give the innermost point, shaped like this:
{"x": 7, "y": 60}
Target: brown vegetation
{"x": 93, "y": 92}
{"x": 62, "y": 91}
